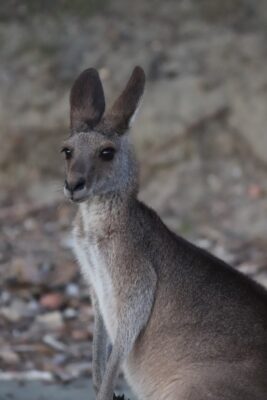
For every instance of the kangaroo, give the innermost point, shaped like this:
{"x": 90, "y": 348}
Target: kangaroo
{"x": 182, "y": 324}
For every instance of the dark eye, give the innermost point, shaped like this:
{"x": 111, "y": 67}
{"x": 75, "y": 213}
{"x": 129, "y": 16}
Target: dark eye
{"x": 67, "y": 152}
{"x": 107, "y": 154}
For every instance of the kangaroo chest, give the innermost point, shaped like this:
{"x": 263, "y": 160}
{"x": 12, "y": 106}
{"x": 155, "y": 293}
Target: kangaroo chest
{"x": 95, "y": 265}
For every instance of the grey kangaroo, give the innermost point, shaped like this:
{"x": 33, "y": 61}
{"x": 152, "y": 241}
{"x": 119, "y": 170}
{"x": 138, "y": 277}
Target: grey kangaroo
{"x": 182, "y": 324}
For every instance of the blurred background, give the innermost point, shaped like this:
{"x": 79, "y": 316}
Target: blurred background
{"x": 200, "y": 137}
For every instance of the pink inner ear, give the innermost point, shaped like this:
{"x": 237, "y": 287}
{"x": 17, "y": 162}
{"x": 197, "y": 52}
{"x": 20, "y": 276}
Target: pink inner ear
{"x": 87, "y": 101}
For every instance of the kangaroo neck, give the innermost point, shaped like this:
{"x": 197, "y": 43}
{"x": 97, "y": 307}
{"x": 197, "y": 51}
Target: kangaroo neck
{"x": 105, "y": 216}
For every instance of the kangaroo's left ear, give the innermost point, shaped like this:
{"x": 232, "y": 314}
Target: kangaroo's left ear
{"x": 87, "y": 101}
{"x": 120, "y": 115}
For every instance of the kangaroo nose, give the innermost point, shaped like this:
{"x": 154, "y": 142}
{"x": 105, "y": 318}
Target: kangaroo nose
{"x": 75, "y": 186}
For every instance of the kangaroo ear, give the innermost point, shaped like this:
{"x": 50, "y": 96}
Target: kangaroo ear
{"x": 121, "y": 114}
{"x": 87, "y": 101}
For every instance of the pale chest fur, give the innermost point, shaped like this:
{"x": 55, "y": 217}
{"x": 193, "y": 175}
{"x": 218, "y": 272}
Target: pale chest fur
{"x": 95, "y": 258}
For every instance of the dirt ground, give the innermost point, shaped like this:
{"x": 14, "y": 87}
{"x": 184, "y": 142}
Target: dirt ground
{"x": 79, "y": 389}
{"x": 200, "y": 138}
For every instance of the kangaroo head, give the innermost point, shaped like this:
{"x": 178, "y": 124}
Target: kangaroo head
{"x": 99, "y": 156}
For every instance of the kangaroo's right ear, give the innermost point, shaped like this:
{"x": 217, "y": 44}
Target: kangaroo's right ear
{"x": 121, "y": 114}
{"x": 87, "y": 101}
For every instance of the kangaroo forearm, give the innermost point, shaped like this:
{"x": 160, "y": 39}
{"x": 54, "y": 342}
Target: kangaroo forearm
{"x": 100, "y": 343}
{"x": 111, "y": 372}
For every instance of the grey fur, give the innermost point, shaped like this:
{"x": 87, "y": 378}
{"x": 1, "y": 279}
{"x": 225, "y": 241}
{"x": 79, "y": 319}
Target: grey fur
{"x": 100, "y": 345}
{"x": 182, "y": 323}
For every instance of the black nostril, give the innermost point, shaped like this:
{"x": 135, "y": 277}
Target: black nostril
{"x": 75, "y": 186}
{"x": 79, "y": 185}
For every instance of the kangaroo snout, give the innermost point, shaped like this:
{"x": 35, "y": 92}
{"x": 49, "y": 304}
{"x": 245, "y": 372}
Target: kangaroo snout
{"x": 75, "y": 188}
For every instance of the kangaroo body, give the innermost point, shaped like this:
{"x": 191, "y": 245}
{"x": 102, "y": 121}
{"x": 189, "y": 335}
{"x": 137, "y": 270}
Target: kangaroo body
{"x": 183, "y": 324}
{"x": 206, "y": 332}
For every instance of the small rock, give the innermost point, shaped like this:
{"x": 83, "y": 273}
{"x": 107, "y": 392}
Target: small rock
{"x": 59, "y": 359}
{"x": 247, "y": 268}
{"x": 5, "y": 297}
{"x": 104, "y": 73}
{"x": 62, "y": 375}
{"x": 21, "y": 307}
{"x": 16, "y": 311}
{"x": 9, "y": 356}
{"x": 23, "y": 272}
{"x": 52, "y": 301}
{"x": 70, "y": 313}
{"x": 222, "y": 253}
{"x": 33, "y": 307}
{"x": 50, "y": 321}
{"x": 262, "y": 279}
{"x": 9, "y": 314}
{"x": 203, "y": 243}
{"x": 80, "y": 335}
{"x": 77, "y": 369}
{"x": 72, "y": 290}
{"x": 54, "y": 343}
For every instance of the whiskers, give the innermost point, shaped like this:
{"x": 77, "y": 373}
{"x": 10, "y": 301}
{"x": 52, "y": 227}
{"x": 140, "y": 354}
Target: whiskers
{"x": 59, "y": 188}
